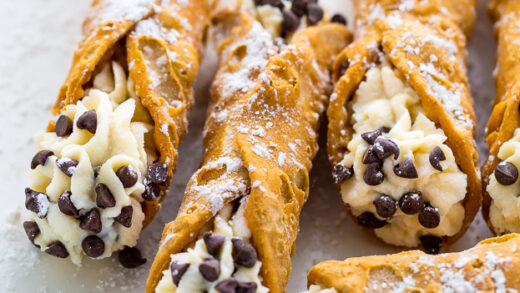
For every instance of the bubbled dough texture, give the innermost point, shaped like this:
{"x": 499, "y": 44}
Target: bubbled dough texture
{"x": 192, "y": 280}
{"x": 384, "y": 100}
{"x": 504, "y": 212}
{"x": 119, "y": 140}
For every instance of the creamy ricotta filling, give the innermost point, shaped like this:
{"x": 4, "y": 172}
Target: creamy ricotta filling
{"x": 398, "y": 163}
{"x": 186, "y": 269}
{"x": 319, "y": 289}
{"x": 105, "y": 132}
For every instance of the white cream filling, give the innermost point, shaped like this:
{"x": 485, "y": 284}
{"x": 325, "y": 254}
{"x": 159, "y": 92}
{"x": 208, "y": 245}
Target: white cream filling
{"x": 122, "y": 124}
{"x": 385, "y": 100}
{"x": 230, "y": 226}
{"x": 319, "y": 289}
{"x": 504, "y": 212}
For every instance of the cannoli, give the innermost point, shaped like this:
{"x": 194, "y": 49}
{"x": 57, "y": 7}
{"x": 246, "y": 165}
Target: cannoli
{"x": 237, "y": 225}
{"x": 106, "y": 160}
{"x": 490, "y": 266}
{"x": 401, "y": 124}
{"x": 501, "y": 204}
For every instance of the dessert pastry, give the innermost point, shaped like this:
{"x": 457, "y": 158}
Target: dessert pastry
{"x": 500, "y": 171}
{"x": 104, "y": 164}
{"x": 490, "y": 266}
{"x": 401, "y": 124}
{"x": 237, "y": 225}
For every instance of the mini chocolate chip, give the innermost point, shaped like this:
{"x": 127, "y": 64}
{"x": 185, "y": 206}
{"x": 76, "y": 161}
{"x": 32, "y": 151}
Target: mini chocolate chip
{"x": 63, "y": 126}
{"x": 338, "y": 18}
{"x": 67, "y": 166}
{"x": 36, "y": 202}
{"x": 370, "y": 156}
{"x": 506, "y": 173}
{"x": 93, "y": 246}
{"x": 385, "y": 148}
{"x": 429, "y": 217}
{"x": 385, "y": 206}
{"x": 227, "y": 286}
{"x": 88, "y": 121}
{"x": 127, "y": 175}
{"x": 210, "y": 269}
{"x": 125, "y": 217}
{"x": 246, "y": 287}
{"x": 31, "y": 229}
{"x": 151, "y": 190}
{"x": 406, "y": 169}
{"x": 130, "y": 257}
{"x": 66, "y": 205}
{"x": 245, "y": 253}
{"x": 340, "y": 173}
{"x": 178, "y": 270}
{"x": 373, "y": 175}
{"x": 40, "y": 158}
{"x": 91, "y": 221}
{"x": 371, "y": 136}
{"x": 299, "y": 7}
{"x": 437, "y": 155}
{"x": 411, "y": 203}
{"x": 368, "y": 220}
{"x": 431, "y": 244}
{"x": 158, "y": 173}
{"x": 104, "y": 198}
{"x": 213, "y": 242}
{"x": 290, "y": 22}
{"x": 57, "y": 249}
{"x": 314, "y": 13}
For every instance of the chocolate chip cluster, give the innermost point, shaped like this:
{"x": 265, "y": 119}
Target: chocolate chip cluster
{"x": 299, "y": 8}
{"x": 244, "y": 255}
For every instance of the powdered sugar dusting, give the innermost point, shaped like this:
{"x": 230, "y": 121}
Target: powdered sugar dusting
{"x": 117, "y": 10}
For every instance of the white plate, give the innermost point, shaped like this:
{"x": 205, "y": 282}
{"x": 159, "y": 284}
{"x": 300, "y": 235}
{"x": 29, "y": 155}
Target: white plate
{"x": 37, "y": 42}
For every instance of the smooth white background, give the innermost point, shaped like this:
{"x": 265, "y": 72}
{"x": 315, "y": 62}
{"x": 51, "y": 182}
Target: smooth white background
{"x": 37, "y": 39}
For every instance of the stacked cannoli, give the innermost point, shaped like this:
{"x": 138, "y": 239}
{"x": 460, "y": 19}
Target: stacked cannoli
{"x": 491, "y": 266}
{"x": 237, "y": 225}
{"x": 500, "y": 172}
{"x": 401, "y": 131}
{"x": 106, "y": 160}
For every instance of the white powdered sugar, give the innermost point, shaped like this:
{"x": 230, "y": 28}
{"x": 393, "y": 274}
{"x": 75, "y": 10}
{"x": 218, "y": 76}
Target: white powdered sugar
{"x": 117, "y": 10}
{"x": 151, "y": 28}
{"x": 43, "y": 204}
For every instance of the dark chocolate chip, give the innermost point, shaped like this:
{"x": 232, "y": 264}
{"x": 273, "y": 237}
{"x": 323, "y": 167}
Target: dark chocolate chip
{"x": 40, "y": 158}
{"x": 290, "y": 22}
{"x": 104, "y": 198}
{"x": 340, "y": 173}
{"x": 299, "y": 7}
{"x": 385, "y": 148}
{"x": 63, "y": 126}
{"x": 338, "y": 18}
{"x": 246, "y": 287}
{"x": 373, "y": 175}
{"x": 91, "y": 221}
{"x": 370, "y": 156}
{"x": 158, "y": 173}
{"x": 369, "y": 221}
{"x": 213, "y": 243}
{"x": 31, "y": 229}
{"x": 127, "y": 175}
{"x": 406, "y": 170}
{"x": 178, "y": 270}
{"x": 314, "y": 13}
{"x": 227, "y": 286}
{"x": 210, "y": 269}
{"x": 130, "y": 257}
{"x": 411, "y": 203}
{"x": 57, "y": 249}
{"x": 385, "y": 206}
{"x": 67, "y": 166}
{"x": 506, "y": 173}
{"x": 88, "y": 121}
{"x": 151, "y": 190}
{"x": 431, "y": 244}
{"x": 125, "y": 217}
{"x": 66, "y": 205}
{"x": 429, "y": 217}
{"x": 245, "y": 254}
{"x": 437, "y": 155}
{"x": 36, "y": 202}
{"x": 93, "y": 246}
{"x": 371, "y": 136}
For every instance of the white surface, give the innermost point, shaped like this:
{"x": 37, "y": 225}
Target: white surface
{"x": 38, "y": 39}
